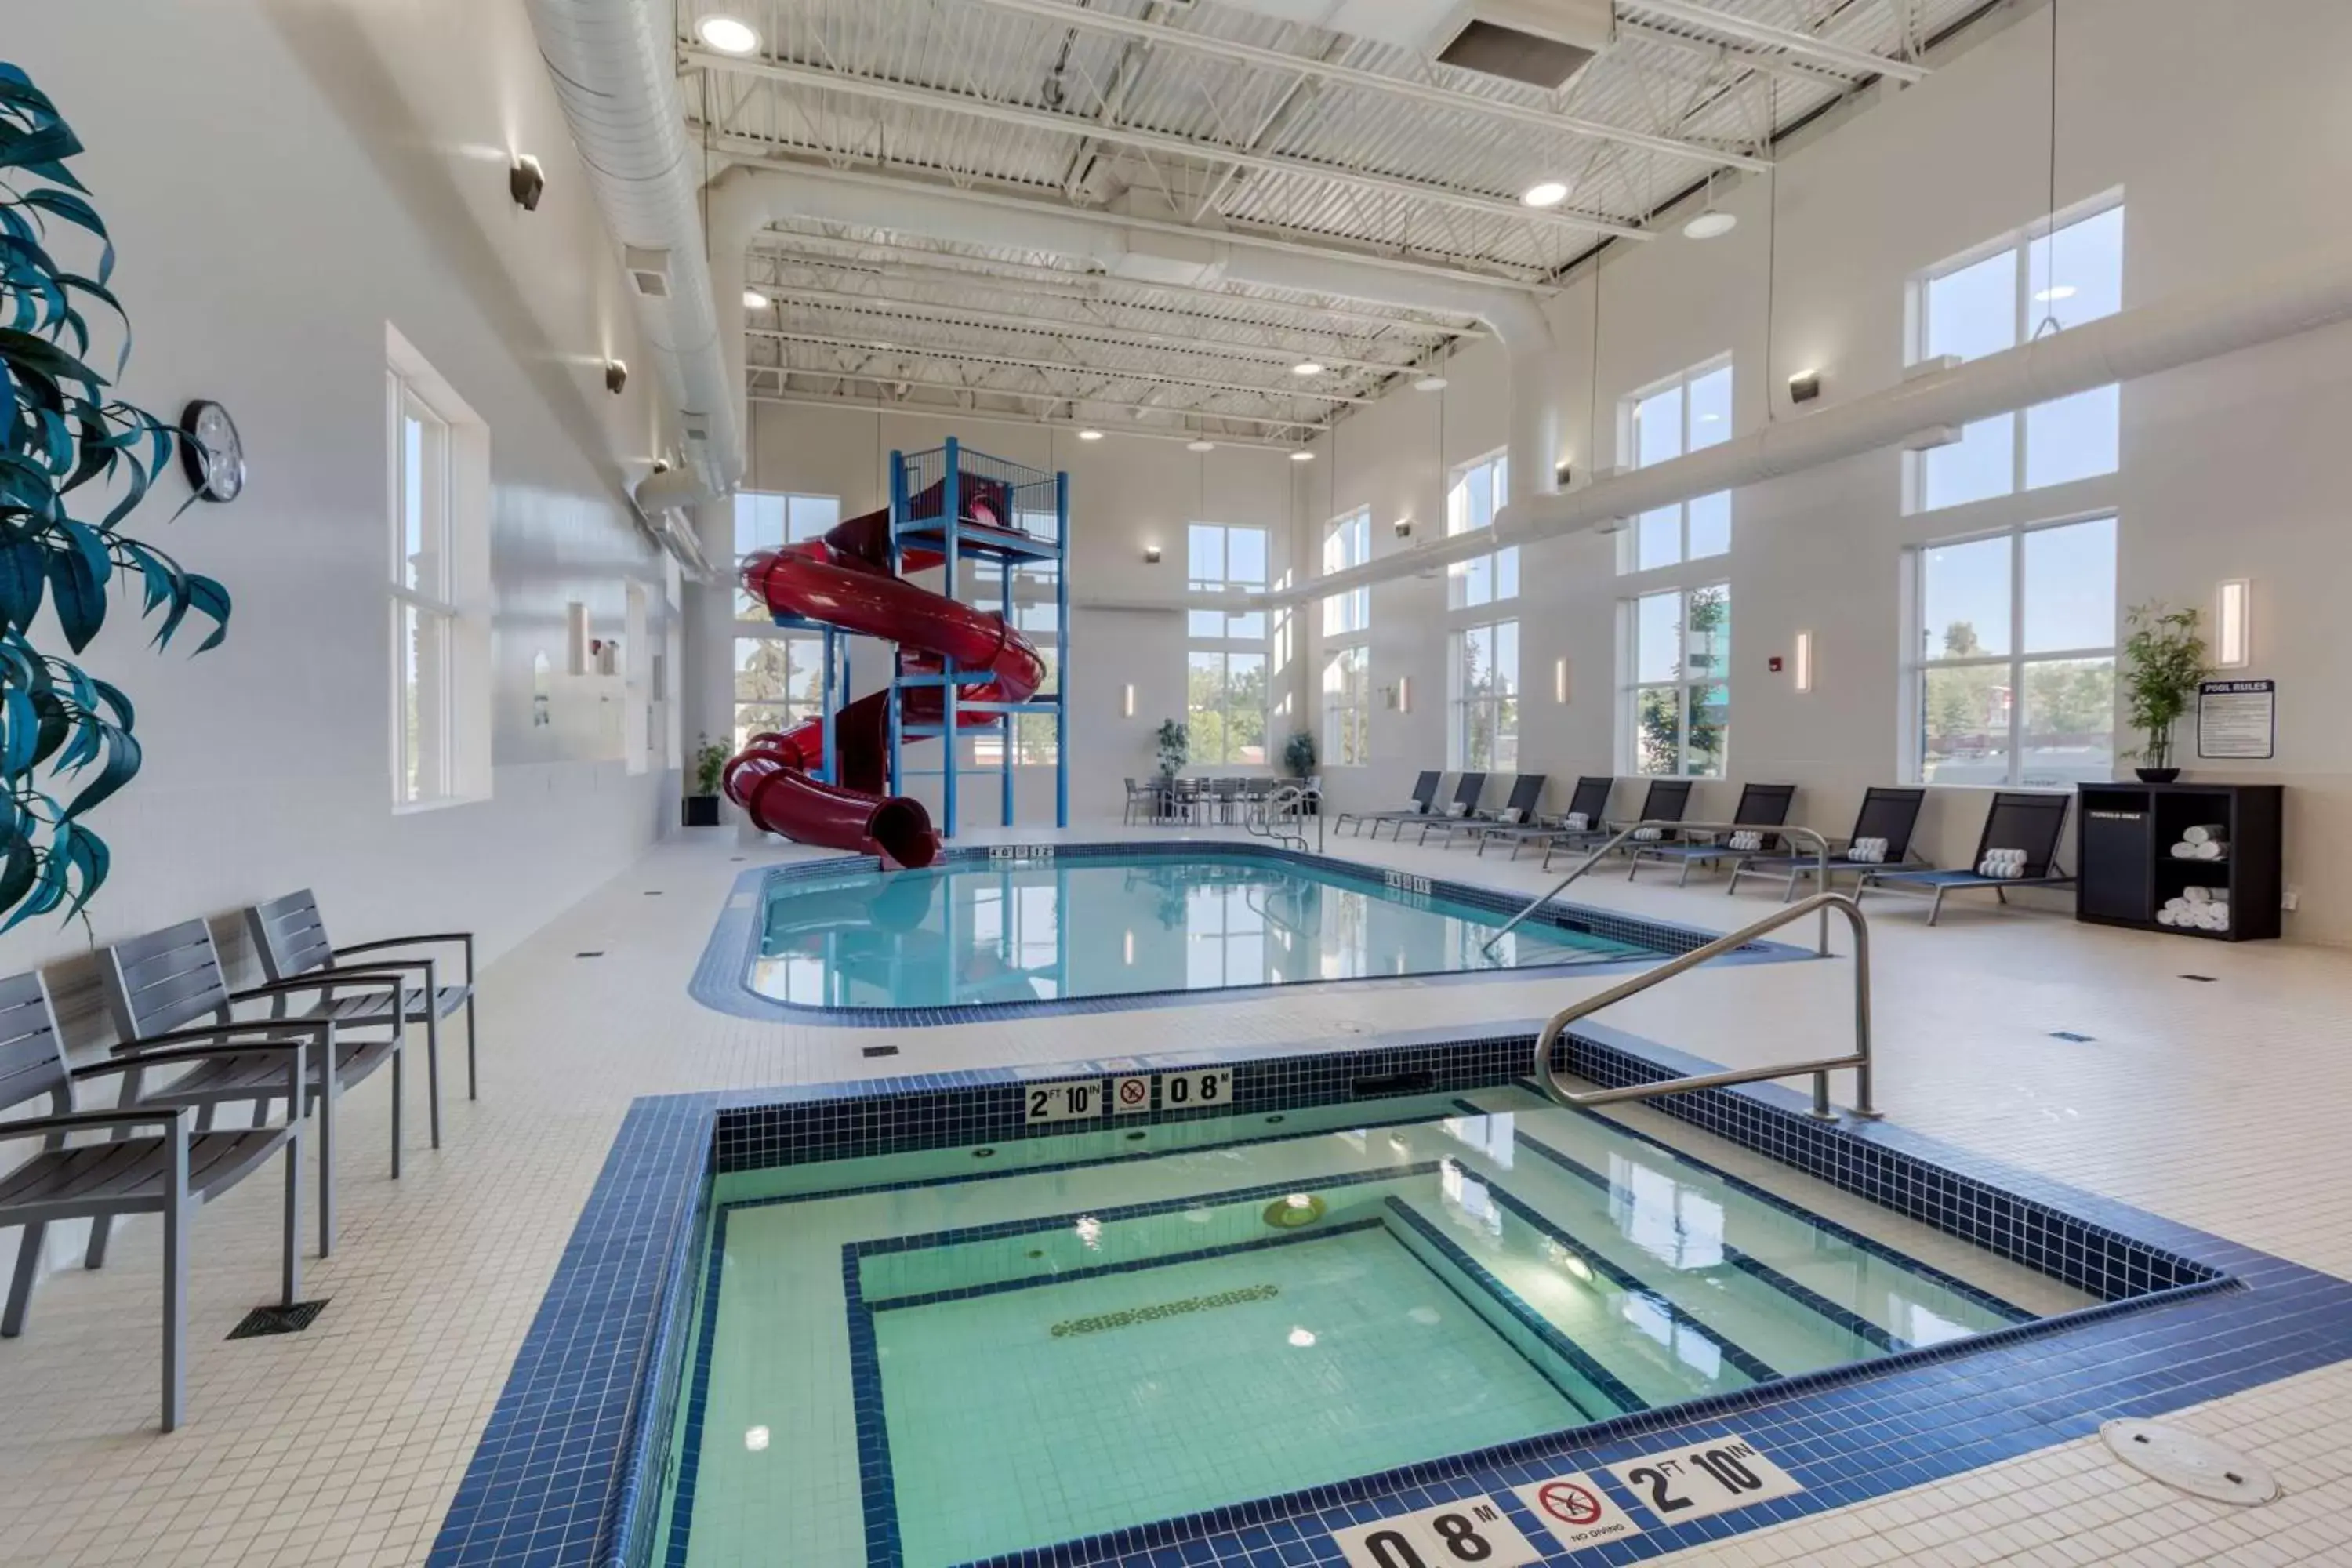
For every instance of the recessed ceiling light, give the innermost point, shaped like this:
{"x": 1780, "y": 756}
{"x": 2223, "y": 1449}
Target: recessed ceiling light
{"x": 1200, "y": 446}
{"x": 1089, "y": 434}
{"x": 1302, "y": 455}
{"x": 727, "y": 35}
{"x": 2055, "y": 294}
{"x": 754, "y": 301}
{"x": 1307, "y": 367}
{"x": 1710, "y": 224}
{"x": 1430, "y": 384}
{"x": 1544, "y": 194}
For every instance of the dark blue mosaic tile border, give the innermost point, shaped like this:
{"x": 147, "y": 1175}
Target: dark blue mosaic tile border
{"x": 721, "y": 979}
{"x": 559, "y": 1476}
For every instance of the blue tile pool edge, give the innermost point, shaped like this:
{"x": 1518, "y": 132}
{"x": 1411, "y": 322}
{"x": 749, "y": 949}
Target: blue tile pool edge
{"x": 560, "y": 1474}
{"x": 721, "y": 979}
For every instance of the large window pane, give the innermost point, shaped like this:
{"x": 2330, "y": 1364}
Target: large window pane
{"x": 2072, "y": 437}
{"x": 1658, "y": 427}
{"x": 2068, "y": 729}
{"x": 1204, "y": 705}
{"x": 1706, "y": 635}
{"x": 1659, "y": 538}
{"x": 1973, "y": 312}
{"x": 1657, "y": 738}
{"x": 2077, "y": 274}
{"x": 1204, "y": 555}
{"x": 1710, "y": 525}
{"x": 1980, "y": 465}
{"x": 1245, "y": 707}
{"x": 1710, "y": 729}
{"x": 1965, "y": 599}
{"x": 2070, "y": 587}
{"x": 1657, "y": 637}
{"x": 1964, "y": 724}
{"x": 1710, "y": 409}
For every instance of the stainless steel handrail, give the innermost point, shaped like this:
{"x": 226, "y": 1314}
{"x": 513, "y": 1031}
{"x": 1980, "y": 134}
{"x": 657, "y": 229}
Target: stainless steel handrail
{"x": 1859, "y": 1059}
{"x": 1821, "y": 851}
{"x": 1286, "y": 803}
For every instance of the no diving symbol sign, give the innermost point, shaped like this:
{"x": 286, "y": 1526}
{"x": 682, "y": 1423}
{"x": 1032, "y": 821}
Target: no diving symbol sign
{"x": 1134, "y": 1094}
{"x": 1577, "y": 1511}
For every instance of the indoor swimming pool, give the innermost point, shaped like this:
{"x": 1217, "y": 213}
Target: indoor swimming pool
{"x": 977, "y": 930}
{"x": 951, "y": 1355}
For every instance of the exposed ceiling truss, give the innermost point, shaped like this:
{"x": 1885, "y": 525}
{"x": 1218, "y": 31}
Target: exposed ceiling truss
{"x": 1193, "y": 118}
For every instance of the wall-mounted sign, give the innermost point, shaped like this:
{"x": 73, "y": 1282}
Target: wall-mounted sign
{"x": 2237, "y": 719}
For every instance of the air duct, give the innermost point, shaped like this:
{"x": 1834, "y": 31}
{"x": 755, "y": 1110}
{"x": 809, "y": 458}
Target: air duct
{"x": 611, "y": 61}
{"x": 2298, "y": 296}
{"x": 746, "y": 199}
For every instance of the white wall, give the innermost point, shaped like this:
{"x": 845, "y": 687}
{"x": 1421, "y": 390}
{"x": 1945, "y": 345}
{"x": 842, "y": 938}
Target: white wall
{"x": 277, "y": 197}
{"x": 1125, "y": 494}
{"x": 2232, "y": 469}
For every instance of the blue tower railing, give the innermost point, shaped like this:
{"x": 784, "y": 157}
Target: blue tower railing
{"x": 938, "y": 501}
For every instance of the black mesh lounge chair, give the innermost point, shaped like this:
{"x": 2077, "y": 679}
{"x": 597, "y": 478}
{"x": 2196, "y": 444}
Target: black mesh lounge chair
{"x": 1888, "y": 814}
{"x": 1463, "y": 807}
{"x": 1667, "y": 801}
{"x": 1527, "y": 790}
{"x": 1761, "y": 805}
{"x": 168, "y": 987}
{"x": 2016, "y": 821}
{"x": 1424, "y": 791}
{"x": 156, "y": 1159}
{"x": 1589, "y": 800}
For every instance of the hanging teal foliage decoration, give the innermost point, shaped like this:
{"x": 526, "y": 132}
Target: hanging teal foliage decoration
{"x": 76, "y": 463}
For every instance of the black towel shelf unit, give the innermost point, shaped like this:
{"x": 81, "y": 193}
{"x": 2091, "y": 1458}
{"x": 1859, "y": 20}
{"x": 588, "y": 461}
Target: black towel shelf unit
{"x": 2128, "y": 830}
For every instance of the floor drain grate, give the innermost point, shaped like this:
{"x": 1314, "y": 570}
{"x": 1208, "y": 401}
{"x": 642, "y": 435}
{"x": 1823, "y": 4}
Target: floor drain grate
{"x": 879, "y": 1051}
{"x": 2070, "y": 1035}
{"x": 291, "y": 1320}
{"x": 2201, "y": 979}
{"x": 592, "y": 952}
{"x": 2190, "y": 1463}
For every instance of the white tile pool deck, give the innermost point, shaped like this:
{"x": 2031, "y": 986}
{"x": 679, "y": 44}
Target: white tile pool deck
{"x": 2222, "y": 1105}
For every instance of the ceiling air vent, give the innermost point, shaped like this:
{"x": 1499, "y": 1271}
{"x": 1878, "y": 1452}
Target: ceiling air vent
{"x": 649, "y": 271}
{"x": 1542, "y": 43}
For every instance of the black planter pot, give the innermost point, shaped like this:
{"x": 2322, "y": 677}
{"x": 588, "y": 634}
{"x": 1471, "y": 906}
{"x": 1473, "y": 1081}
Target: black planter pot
{"x": 701, "y": 811}
{"x": 2157, "y": 775}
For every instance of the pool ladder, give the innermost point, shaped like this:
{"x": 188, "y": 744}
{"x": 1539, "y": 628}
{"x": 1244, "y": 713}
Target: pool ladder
{"x": 1287, "y": 805}
{"x": 1821, "y": 903}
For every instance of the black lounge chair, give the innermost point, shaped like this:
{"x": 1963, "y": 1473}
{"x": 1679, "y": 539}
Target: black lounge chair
{"x": 1886, "y": 813}
{"x": 1667, "y": 801}
{"x": 1424, "y": 791}
{"x": 1761, "y": 805}
{"x": 1463, "y": 807}
{"x": 2032, "y": 823}
{"x": 157, "y": 1158}
{"x": 1527, "y": 790}
{"x": 1589, "y": 800}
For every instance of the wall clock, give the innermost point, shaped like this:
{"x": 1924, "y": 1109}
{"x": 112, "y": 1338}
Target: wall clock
{"x": 213, "y": 454}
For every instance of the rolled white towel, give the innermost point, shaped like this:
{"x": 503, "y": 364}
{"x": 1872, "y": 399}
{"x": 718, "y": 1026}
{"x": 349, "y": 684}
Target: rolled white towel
{"x": 2209, "y": 850}
{"x": 1648, "y": 834}
{"x": 1457, "y": 808}
{"x": 2184, "y": 851}
{"x": 1513, "y": 814}
{"x": 1575, "y": 822}
{"x": 2216, "y": 919}
{"x": 1746, "y": 841}
{"x": 2195, "y": 895}
{"x": 2212, "y": 833}
{"x": 2177, "y": 906}
{"x": 2167, "y": 917}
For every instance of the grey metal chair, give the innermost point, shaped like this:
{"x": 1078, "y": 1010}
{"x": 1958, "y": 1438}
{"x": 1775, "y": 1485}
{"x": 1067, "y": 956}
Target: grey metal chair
{"x": 156, "y": 1162}
{"x": 291, "y": 937}
{"x": 161, "y": 987}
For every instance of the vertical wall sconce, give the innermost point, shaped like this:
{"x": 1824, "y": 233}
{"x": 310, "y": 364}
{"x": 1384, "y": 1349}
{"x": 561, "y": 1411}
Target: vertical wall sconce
{"x": 1127, "y": 703}
{"x": 2234, "y": 635}
{"x": 1405, "y": 693}
{"x": 1560, "y": 680}
{"x": 1804, "y": 661}
{"x": 1151, "y": 556}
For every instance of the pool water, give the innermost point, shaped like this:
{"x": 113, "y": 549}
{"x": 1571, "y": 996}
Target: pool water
{"x": 937, "y": 1358}
{"x": 977, "y": 933}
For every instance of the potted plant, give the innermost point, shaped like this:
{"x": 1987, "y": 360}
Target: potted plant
{"x": 709, "y": 768}
{"x": 2164, "y": 663}
{"x": 1299, "y": 754}
{"x": 1175, "y": 749}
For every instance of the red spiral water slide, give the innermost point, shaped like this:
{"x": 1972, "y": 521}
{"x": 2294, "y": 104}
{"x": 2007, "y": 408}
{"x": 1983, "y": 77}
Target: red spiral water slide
{"x": 845, "y": 580}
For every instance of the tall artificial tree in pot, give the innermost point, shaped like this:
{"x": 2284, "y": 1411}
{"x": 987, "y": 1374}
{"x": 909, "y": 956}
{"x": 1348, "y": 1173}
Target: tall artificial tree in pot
{"x": 2164, "y": 663}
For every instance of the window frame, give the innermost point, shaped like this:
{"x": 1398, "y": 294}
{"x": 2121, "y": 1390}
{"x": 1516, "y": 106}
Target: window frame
{"x": 1916, "y": 663}
{"x": 1347, "y": 707}
{"x": 1682, "y": 683}
{"x": 1225, "y": 655}
{"x": 1350, "y": 609}
{"x": 1629, "y": 443}
{"x": 750, "y": 630}
{"x": 1194, "y": 583}
{"x": 2027, "y": 315}
{"x": 1505, "y": 693}
{"x": 1460, "y": 574}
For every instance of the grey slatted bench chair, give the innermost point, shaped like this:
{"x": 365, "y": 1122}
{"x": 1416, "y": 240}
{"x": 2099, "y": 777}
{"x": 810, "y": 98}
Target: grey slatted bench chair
{"x": 156, "y": 1162}
{"x": 161, "y": 984}
{"x": 290, "y": 935}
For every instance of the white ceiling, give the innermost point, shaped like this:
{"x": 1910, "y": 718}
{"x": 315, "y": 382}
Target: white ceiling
{"x": 1225, "y": 118}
